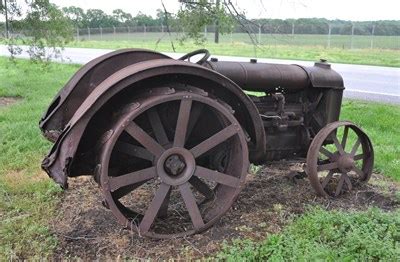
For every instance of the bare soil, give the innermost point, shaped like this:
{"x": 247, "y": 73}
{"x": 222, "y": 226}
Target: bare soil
{"x": 270, "y": 200}
{"x": 8, "y": 100}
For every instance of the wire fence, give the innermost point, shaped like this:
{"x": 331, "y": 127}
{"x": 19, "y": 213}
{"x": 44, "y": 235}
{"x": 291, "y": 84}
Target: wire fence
{"x": 344, "y": 37}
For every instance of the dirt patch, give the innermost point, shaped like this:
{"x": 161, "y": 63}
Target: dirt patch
{"x": 270, "y": 199}
{"x": 9, "y": 100}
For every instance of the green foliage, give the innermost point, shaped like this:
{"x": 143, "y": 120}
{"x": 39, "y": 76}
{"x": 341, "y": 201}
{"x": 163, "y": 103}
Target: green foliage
{"x": 326, "y": 236}
{"x": 194, "y": 16}
{"x": 44, "y": 26}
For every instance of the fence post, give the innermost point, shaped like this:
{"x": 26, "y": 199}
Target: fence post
{"x": 259, "y": 33}
{"x": 77, "y": 34}
{"x": 88, "y": 29}
{"x": 162, "y": 28}
{"x": 114, "y": 32}
{"x": 292, "y": 29}
{"x": 101, "y": 33}
{"x": 352, "y": 36}
{"x": 205, "y": 31}
{"x": 329, "y": 35}
{"x": 144, "y": 29}
{"x": 372, "y": 36}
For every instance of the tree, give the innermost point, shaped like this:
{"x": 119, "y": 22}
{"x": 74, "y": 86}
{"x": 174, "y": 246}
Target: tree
{"x": 122, "y": 17}
{"x": 44, "y": 28}
{"x": 195, "y": 15}
{"x": 76, "y": 15}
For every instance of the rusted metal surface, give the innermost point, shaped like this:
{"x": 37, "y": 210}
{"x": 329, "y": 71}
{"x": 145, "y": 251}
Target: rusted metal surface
{"x": 335, "y": 170}
{"x": 146, "y": 126}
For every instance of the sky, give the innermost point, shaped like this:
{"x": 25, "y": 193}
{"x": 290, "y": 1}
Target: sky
{"x": 355, "y": 10}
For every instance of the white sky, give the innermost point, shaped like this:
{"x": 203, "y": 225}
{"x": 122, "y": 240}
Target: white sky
{"x": 356, "y": 10}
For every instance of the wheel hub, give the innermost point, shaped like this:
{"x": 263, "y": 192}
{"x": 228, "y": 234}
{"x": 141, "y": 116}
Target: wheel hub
{"x": 346, "y": 162}
{"x": 174, "y": 165}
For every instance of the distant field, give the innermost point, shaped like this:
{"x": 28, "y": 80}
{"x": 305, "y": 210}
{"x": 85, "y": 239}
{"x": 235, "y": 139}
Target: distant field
{"x": 312, "y": 52}
{"x": 336, "y": 41}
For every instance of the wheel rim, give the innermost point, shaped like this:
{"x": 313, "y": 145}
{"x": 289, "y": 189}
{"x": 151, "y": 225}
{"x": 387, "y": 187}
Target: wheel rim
{"x": 174, "y": 162}
{"x": 339, "y": 159}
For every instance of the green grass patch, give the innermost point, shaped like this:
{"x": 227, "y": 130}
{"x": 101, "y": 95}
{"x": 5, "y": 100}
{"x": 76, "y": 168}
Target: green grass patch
{"x": 27, "y": 197}
{"x": 326, "y": 236}
{"x": 381, "y": 123}
{"x": 311, "y": 52}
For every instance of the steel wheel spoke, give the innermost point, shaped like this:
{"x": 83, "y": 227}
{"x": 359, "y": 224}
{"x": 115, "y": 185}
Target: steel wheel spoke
{"x": 325, "y": 152}
{"x": 182, "y": 123}
{"x": 191, "y": 205}
{"x": 143, "y": 138}
{"x": 355, "y": 147}
{"x": 327, "y": 179}
{"x": 158, "y": 128}
{"x": 358, "y": 157}
{"x": 214, "y": 140}
{"x": 339, "y": 185}
{"x": 329, "y": 166}
{"x": 344, "y": 138}
{"x": 163, "y": 212}
{"x": 154, "y": 207}
{"x": 338, "y": 145}
{"x": 358, "y": 171}
{"x": 202, "y": 187}
{"x": 194, "y": 117}
{"x": 347, "y": 180}
{"x": 217, "y": 176}
{"x": 134, "y": 150}
{"x": 131, "y": 178}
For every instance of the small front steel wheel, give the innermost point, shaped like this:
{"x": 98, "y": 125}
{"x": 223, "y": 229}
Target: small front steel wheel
{"x": 335, "y": 165}
{"x": 174, "y": 164}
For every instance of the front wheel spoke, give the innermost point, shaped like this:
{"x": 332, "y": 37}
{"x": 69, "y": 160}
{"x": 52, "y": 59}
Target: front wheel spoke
{"x": 338, "y": 145}
{"x": 339, "y": 185}
{"x": 217, "y": 177}
{"x": 358, "y": 171}
{"x": 202, "y": 187}
{"x": 344, "y": 138}
{"x": 327, "y": 179}
{"x": 131, "y": 178}
{"x": 134, "y": 150}
{"x": 191, "y": 205}
{"x": 347, "y": 181}
{"x": 157, "y": 126}
{"x": 154, "y": 208}
{"x": 358, "y": 157}
{"x": 329, "y": 166}
{"x": 143, "y": 138}
{"x": 355, "y": 147}
{"x": 325, "y": 152}
{"x": 182, "y": 123}
{"x": 214, "y": 140}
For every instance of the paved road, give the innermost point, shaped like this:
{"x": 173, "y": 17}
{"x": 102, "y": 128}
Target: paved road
{"x": 374, "y": 83}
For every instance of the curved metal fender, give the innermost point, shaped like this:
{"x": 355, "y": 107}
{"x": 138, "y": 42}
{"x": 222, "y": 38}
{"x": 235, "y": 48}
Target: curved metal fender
{"x": 83, "y": 82}
{"x": 58, "y": 161}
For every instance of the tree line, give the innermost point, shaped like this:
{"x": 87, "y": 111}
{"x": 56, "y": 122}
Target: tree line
{"x": 95, "y": 18}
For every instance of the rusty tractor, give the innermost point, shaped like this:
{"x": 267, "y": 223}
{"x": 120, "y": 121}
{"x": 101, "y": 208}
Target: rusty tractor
{"x": 170, "y": 141}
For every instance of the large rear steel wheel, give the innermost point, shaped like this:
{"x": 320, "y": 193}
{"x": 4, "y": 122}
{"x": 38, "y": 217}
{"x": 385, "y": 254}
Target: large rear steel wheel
{"x": 174, "y": 164}
{"x": 340, "y": 157}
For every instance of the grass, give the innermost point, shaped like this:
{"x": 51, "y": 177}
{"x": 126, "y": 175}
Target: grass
{"x": 28, "y": 198}
{"x": 307, "y": 48}
{"x": 322, "y": 235}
